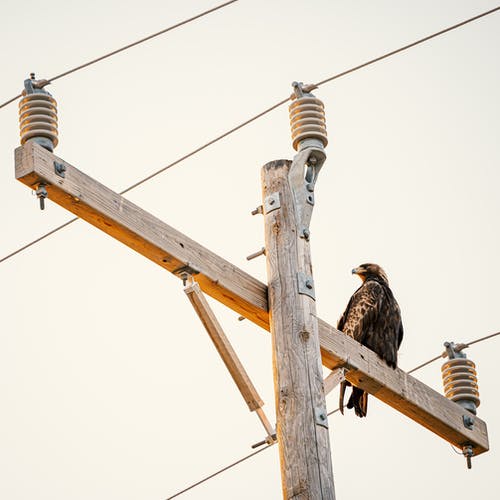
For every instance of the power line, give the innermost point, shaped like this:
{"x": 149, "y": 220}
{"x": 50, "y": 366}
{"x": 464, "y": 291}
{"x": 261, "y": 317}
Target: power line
{"x": 253, "y": 118}
{"x": 220, "y": 471}
{"x": 459, "y": 347}
{"x": 46, "y": 235}
{"x": 409, "y": 46}
{"x": 126, "y": 47}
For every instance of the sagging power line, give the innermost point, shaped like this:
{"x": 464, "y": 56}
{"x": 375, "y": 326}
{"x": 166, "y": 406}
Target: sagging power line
{"x": 125, "y": 47}
{"x": 246, "y": 122}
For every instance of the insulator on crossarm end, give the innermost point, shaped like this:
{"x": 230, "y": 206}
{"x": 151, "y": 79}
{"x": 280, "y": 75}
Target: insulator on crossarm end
{"x": 460, "y": 379}
{"x": 38, "y": 114}
{"x": 460, "y": 385}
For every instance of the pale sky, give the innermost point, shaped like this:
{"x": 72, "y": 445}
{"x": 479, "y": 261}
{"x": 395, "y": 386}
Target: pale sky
{"x": 109, "y": 384}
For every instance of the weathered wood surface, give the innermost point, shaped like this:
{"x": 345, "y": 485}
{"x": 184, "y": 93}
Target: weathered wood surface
{"x": 141, "y": 231}
{"x": 302, "y": 423}
{"x": 333, "y": 380}
{"x": 265, "y": 422}
{"x": 231, "y": 286}
{"x": 402, "y": 391}
{"x": 224, "y": 347}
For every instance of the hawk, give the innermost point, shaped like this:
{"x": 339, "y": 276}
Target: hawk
{"x": 373, "y": 318}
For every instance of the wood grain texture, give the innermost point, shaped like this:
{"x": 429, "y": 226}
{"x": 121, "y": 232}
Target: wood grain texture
{"x": 333, "y": 380}
{"x": 303, "y": 438}
{"x": 231, "y": 286}
{"x": 141, "y": 231}
{"x": 402, "y": 391}
{"x": 224, "y": 347}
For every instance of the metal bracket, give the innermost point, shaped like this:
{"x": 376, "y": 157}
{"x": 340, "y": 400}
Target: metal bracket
{"x": 306, "y": 285}
{"x": 321, "y": 417}
{"x": 272, "y": 202}
{"x": 303, "y": 175}
{"x": 468, "y": 422}
{"x": 184, "y": 272}
{"x": 60, "y": 169}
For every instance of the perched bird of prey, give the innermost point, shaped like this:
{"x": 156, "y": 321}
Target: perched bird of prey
{"x": 373, "y": 318}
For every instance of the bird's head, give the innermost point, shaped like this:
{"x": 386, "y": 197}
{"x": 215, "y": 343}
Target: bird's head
{"x": 365, "y": 271}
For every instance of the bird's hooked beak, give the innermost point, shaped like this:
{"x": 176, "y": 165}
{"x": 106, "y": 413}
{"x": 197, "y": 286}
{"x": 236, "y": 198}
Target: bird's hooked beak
{"x": 360, "y": 272}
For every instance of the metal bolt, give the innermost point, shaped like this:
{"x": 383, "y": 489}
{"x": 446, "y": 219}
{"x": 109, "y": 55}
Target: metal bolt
{"x": 41, "y": 194}
{"x": 258, "y": 210}
{"x": 310, "y": 187}
{"x": 262, "y": 251}
{"x": 468, "y": 454}
{"x": 59, "y": 168}
{"x": 306, "y": 233}
{"x": 468, "y": 421}
{"x": 309, "y": 284}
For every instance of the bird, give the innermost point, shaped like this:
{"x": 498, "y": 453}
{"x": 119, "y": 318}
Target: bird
{"x": 373, "y": 318}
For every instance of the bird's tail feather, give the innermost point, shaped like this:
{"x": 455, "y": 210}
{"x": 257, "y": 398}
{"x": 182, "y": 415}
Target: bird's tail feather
{"x": 358, "y": 401}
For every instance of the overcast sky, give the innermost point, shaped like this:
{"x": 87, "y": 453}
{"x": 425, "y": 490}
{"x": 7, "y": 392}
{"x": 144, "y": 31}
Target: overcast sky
{"x": 110, "y": 387}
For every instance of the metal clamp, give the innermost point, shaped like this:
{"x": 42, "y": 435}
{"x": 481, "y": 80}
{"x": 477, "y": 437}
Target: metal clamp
{"x": 272, "y": 202}
{"x": 321, "y": 417}
{"x": 60, "y": 169}
{"x": 306, "y": 285}
{"x": 184, "y": 272}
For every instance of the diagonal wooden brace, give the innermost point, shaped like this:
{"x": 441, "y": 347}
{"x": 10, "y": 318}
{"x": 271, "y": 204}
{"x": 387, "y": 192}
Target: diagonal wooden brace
{"x": 227, "y": 353}
{"x": 333, "y": 380}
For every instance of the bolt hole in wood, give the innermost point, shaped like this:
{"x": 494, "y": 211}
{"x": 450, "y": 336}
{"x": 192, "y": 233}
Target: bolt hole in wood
{"x": 182, "y": 245}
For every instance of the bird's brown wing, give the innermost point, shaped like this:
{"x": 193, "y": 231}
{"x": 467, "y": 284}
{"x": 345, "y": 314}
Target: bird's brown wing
{"x": 362, "y": 311}
{"x": 373, "y": 318}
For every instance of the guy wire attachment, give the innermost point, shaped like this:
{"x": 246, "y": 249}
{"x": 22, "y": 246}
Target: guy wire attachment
{"x": 460, "y": 385}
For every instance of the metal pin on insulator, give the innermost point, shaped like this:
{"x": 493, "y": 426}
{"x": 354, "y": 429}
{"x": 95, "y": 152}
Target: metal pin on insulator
{"x": 460, "y": 379}
{"x": 307, "y": 119}
{"x": 38, "y": 114}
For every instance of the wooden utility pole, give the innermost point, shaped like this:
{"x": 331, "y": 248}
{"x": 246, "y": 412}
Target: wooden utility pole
{"x": 302, "y": 422}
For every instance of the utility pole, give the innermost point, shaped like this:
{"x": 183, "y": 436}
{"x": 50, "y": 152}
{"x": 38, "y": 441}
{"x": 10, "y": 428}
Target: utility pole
{"x": 302, "y": 424}
{"x": 301, "y": 341}
{"x": 288, "y": 200}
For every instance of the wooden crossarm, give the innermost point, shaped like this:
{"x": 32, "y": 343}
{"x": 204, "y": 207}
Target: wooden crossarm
{"x": 170, "y": 249}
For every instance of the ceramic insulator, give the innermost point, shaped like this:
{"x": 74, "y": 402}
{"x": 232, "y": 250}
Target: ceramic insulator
{"x": 460, "y": 382}
{"x": 38, "y": 117}
{"x": 307, "y": 119}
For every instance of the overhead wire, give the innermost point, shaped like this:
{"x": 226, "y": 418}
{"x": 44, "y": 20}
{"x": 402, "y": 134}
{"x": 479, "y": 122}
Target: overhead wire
{"x": 463, "y": 346}
{"x": 246, "y": 122}
{"x": 126, "y": 47}
{"x": 220, "y": 471}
